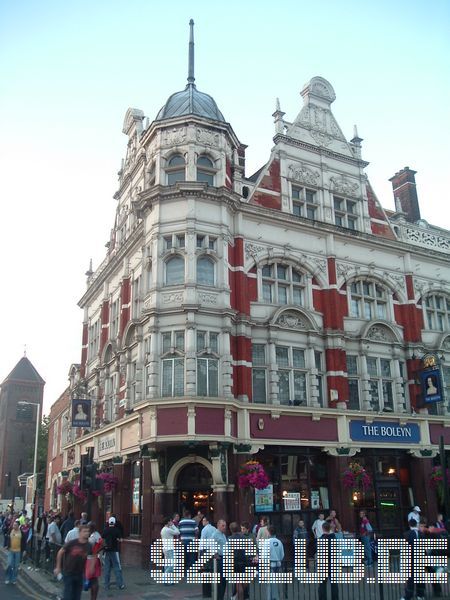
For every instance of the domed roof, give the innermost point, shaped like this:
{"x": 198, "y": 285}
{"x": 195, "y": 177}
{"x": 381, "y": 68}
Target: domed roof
{"x": 190, "y": 102}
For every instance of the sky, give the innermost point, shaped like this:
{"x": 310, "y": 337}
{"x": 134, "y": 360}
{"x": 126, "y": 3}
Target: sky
{"x": 70, "y": 71}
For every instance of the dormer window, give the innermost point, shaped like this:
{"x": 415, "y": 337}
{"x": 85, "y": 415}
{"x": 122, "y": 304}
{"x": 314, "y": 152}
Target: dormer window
{"x": 176, "y": 169}
{"x": 345, "y": 213}
{"x": 304, "y": 203}
{"x": 205, "y": 170}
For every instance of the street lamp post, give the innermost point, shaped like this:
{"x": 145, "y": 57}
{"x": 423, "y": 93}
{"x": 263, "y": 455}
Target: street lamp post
{"x": 38, "y": 416}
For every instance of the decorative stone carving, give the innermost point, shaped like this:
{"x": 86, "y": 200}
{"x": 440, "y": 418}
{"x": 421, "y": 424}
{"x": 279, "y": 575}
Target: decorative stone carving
{"x": 174, "y": 297}
{"x": 379, "y": 333}
{"x": 397, "y": 279}
{"x": 174, "y": 136}
{"x": 206, "y": 298}
{"x": 252, "y": 250}
{"x": 446, "y": 344}
{"x": 303, "y": 174}
{"x": 429, "y": 239}
{"x": 292, "y": 320}
{"x": 321, "y": 264}
{"x": 420, "y": 285}
{"x": 148, "y": 302}
{"x": 322, "y": 139}
{"x": 207, "y": 137}
{"x": 341, "y": 185}
{"x": 318, "y": 86}
{"x": 343, "y": 269}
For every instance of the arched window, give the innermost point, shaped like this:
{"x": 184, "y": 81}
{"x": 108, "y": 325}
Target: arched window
{"x": 176, "y": 169}
{"x": 205, "y": 170}
{"x": 175, "y": 270}
{"x": 437, "y": 312}
{"x": 205, "y": 271}
{"x": 368, "y": 300}
{"x": 282, "y": 284}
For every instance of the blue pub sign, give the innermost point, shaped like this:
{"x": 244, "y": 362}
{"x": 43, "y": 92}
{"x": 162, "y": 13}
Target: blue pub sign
{"x": 383, "y": 431}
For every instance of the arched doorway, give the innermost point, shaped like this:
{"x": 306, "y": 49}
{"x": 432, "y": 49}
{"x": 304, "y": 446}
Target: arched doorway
{"x": 194, "y": 483}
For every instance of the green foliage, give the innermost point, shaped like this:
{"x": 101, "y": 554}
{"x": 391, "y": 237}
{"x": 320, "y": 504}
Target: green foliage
{"x": 41, "y": 463}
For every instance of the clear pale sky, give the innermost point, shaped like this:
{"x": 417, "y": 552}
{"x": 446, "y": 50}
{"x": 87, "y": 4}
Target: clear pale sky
{"x": 70, "y": 70}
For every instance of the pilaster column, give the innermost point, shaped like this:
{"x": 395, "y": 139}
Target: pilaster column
{"x": 221, "y": 502}
{"x": 191, "y": 362}
{"x": 273, "y": 375}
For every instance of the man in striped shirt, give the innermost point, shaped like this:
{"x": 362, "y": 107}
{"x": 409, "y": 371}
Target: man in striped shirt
{"x": 188, "y": 531}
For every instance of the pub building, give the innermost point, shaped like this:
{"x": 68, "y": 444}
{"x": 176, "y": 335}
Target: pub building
{"x": 284, "y": 317}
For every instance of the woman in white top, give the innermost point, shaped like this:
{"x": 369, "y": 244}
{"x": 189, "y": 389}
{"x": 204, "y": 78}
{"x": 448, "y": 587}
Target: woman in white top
{"x": 263, "y": 531}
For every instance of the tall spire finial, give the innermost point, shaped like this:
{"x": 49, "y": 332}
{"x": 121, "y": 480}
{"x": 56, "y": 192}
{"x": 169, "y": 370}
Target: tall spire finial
{"x": 191, "y": 77}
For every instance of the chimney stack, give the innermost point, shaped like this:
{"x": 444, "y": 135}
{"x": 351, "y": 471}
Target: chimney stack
{"x": 405, "y": 194}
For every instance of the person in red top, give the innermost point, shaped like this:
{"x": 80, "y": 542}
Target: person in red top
{"x": 365, "y": 534}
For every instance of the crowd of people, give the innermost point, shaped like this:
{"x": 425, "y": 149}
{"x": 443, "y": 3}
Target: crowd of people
{"x": 328, "y": 527}
{"x": 77, "y": 549}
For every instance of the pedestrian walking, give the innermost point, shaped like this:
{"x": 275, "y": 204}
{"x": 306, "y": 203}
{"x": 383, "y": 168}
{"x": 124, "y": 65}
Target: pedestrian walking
{"x": 415, "y": 514}
{"x": 365, "y": 535}
{"x": 276, "y": 556}
{"x": 71, "y": 562}
{"x": 15, "y": 547}
{"x": 220, "y": 538}
{"x": 72, "y": 534}
{"x": 168, "y": 534}
{"x": 68, "y": 524}
{"x": 207, "y": 533}
{"x": 241, "y": 559}
{"x": 412, "y": 535}
{"x": 188, "y": 531}
{"x": 111, "y": 538}
{"x": 328, "y": 535}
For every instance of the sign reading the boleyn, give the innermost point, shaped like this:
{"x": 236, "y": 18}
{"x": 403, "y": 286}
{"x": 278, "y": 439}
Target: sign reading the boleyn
{"x": 381, "y": 431}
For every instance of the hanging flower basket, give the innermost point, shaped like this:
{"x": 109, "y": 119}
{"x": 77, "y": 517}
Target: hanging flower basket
{"x": 64, "y": 488}
{"x": 437, "y": 481}
{"x": 356, "y": 477}
{"x": 252, "y": 474}
{"x": 79, "y": 493}
{"x": 109, "y": 481}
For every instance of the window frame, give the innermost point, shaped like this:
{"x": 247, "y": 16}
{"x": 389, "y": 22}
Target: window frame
{"x": 362, "y": 300}
{"x": 436, "y": 312}
{"x": 206, "y": 171}
{"x": 175, "y": 174}
{"x": 345, "y": 214}
{"x": 207, "y": 259}
{"x": 172, "y": 259}
{"x": 275, "y": 284}
{"x": 300, "y": 199}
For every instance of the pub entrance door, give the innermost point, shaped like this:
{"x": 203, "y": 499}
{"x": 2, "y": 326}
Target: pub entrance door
{"x": 388, "y": 499}
{"x": 194, "y": 489}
